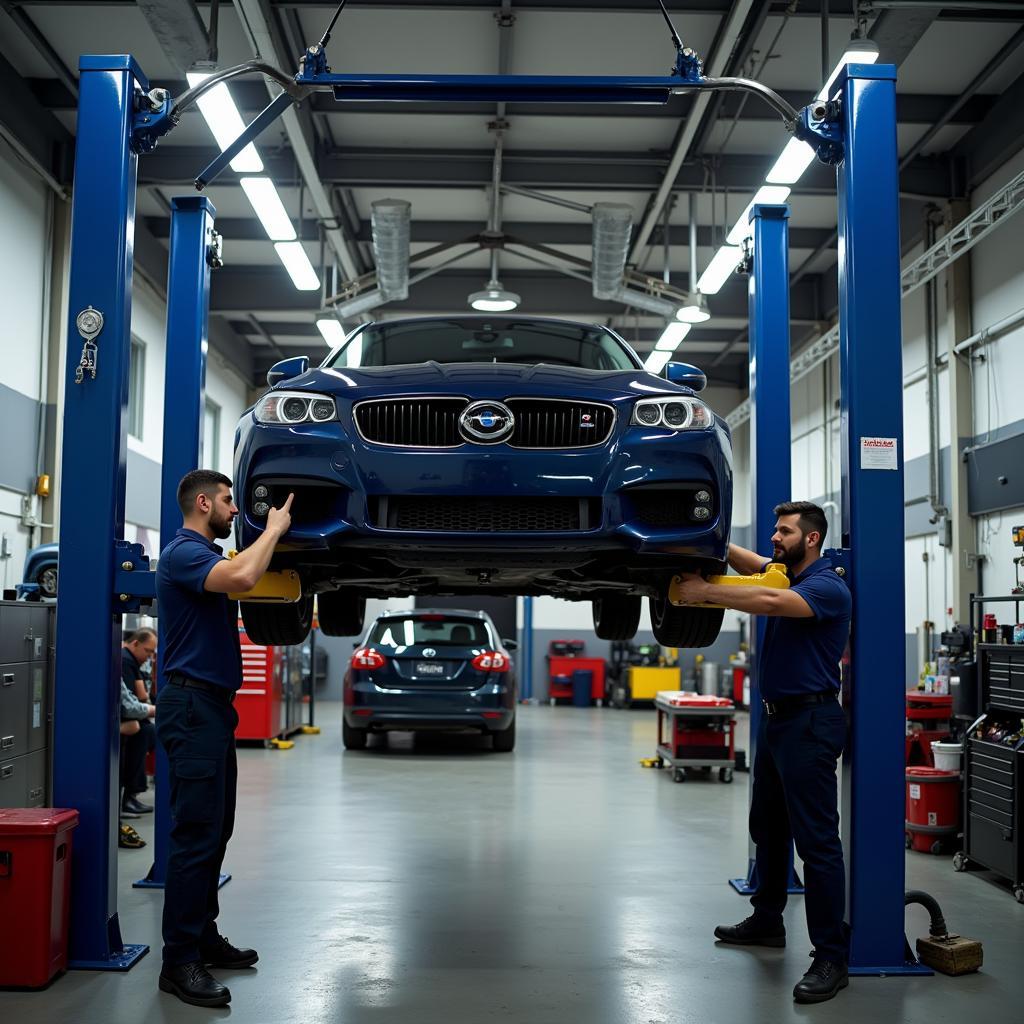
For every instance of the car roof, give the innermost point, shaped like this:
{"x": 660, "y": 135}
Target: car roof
{"x": 487, "y": 318}
{"x": 463, "y": 613}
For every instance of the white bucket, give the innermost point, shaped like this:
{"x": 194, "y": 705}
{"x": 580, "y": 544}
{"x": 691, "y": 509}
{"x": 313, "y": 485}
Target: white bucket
{"x": 947, "y": 755}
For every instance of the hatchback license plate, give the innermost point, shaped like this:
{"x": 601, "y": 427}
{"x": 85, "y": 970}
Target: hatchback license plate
{"x": 429, "y": 668}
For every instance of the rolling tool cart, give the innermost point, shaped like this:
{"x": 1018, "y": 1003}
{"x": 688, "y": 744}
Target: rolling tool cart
{"x": 994, "y": 753}
{"x": 269, "y": 704}
{"x": 695, "y": 731}
{"x": 565, "y": 657}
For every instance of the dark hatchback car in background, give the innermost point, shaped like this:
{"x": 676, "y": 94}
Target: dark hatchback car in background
{"x": 431, "y": 670}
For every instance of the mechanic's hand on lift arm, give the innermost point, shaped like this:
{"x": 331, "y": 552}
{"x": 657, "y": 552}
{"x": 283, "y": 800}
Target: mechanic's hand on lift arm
{"x": 693, "y": 588}
{"x": 279, "y": 520}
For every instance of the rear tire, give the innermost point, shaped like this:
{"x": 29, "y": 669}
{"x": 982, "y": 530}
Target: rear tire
{"x": 339, "y": 614}
{"x": 47, "y": 580}
{"x": 617, "y": 616}
{"x": 684, "y": 627}
{"x": 505, "y": 741}
{"x": 278, "y": 625}
{"x": 352, "y": 738}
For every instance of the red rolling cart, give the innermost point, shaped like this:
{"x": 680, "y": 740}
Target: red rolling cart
{"x": 269, "y": 703}
{"x": 695, "y": 730}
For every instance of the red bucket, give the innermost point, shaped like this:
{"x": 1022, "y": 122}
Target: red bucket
{"x": 933, "y": 807}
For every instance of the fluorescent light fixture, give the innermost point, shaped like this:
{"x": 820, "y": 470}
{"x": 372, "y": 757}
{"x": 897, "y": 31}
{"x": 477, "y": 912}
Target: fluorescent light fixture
{"x": 765, "y": 194}
{"x": 268, "y": 207}
{"x": 792, "y": 162}
{"x": 333, "y": 333}
{"x": 693, "y": 313}
{"x": 226, "y": 124}
{"x": 719, "y": 270}
{"x": 296, "y": 262}
{"x": 656, "y": 361}
{"x": 858, "y": 51}
{"x": 671, "y": 337}
{"x": 494, "y": 298}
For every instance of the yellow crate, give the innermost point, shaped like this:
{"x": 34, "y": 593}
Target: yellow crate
{"x": 645, "y": 681}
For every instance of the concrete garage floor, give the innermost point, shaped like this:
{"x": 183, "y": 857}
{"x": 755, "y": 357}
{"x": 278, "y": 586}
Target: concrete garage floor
{"x": 438, "y": 882}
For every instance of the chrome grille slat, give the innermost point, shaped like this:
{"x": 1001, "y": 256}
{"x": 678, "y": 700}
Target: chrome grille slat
{"x": 558, "y": 423}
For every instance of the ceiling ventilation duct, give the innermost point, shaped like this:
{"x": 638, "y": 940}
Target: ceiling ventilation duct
{"x": 613, "y": 225}
{"x": 360, "y": 304}
{"x": 389, "y": 228}
{"x": 649, "y": 303}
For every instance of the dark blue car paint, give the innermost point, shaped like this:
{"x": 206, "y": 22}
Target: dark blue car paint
{"x": 334, "y": 454}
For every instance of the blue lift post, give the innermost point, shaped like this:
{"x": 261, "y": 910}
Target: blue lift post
{"x": 871, "y": 383}
{"x": 188, "y": 305}
{"x": 86, "y": 736}
{"x": 770, "y": 443}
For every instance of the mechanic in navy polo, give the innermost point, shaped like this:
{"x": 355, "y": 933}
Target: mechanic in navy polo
{"x": 201, "y": 663}
{"x": 801, "y": 737}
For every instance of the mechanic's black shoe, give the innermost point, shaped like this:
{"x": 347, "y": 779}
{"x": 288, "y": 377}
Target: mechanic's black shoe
{"x": 222, "y": 954}
{"x": 193, "y": 983}
{"x": 134, "y": 806}
{"x": 822, "y": 981}
{"x": 752, "y": 932}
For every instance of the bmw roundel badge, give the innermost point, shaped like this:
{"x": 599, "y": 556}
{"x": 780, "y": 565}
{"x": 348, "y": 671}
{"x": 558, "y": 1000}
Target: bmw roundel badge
{"x": 486, "y": 422}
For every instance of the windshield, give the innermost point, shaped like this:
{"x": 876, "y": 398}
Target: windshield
{"x": 484, "y": 340}
{"x": 433, "y": 632}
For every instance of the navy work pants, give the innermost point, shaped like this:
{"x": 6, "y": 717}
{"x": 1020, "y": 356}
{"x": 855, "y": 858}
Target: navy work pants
{"x": 133, "y": 758}
{"x": 197, "y": 730}
{"x": 795, "y": 800}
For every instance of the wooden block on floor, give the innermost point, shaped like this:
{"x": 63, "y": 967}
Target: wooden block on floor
{"x": 952, "y": 955}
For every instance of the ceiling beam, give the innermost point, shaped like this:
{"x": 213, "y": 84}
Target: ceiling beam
{"x": 261, "y": 290}
{"x": 65, "y": 76}
{"x": 998, "y": 138}
{"x": 577, "y": 170}
{"x": 178, "y": 29}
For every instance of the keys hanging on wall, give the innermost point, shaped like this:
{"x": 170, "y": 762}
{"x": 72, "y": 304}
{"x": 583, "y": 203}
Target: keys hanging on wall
{"x": 89, "y": 323}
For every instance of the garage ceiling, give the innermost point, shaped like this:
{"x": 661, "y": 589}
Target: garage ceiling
{"x": 439, "y": 157}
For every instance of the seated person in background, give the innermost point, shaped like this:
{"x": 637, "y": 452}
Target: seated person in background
{"x": 138, "y": 649}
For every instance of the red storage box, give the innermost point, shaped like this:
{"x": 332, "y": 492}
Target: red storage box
{"x": 933, "y": 807}
{"x": 35, "y": 893}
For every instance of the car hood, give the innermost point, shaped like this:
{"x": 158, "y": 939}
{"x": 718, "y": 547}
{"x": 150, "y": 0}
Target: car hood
{"x": 492, "y": 380}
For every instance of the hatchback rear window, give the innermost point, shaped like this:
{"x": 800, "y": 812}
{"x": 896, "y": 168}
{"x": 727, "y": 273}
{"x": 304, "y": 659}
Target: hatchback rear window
{"x": 418, "y": 632}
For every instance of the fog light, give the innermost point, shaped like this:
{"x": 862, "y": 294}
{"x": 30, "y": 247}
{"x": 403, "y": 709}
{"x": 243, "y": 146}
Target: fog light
{"x": 704, "y": 497}
{"x": 261, "y": 493}
{"x": 700, "y": 513}
{"x": 261, "y": 508}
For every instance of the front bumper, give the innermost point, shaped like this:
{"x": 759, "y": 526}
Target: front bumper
{"x": 340, "y": 481}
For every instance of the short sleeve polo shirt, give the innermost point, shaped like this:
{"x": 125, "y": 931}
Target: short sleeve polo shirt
{"x": 801, "y": 656}
{"x": 198, "y": 629}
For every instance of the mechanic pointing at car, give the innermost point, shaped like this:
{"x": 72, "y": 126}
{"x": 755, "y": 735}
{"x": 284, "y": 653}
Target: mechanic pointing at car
{"x": 202, "y": 664}
{"x": 801, "y": 738}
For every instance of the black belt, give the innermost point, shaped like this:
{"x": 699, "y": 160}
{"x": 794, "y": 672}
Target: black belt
{"x": 220, "y": 692}
{"x": 787, "y": 705}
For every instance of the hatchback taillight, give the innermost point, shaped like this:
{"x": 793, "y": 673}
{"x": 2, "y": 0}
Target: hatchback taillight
{"x": 368, "y": 658}
{"x": 491, "y": 661}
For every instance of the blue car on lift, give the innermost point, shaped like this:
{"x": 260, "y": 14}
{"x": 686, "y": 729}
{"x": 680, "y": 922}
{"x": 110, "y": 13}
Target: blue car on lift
{"x": 487, "y": 454}
{"x": 431, "y": 670}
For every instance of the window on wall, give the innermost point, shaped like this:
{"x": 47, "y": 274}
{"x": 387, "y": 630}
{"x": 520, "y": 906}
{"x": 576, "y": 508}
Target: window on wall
{"x": 211, "y": 436}
{"x": 136, "y": 388}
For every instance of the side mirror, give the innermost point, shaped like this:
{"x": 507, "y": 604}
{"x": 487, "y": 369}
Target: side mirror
{"x": 687, "y": 375}
{"x": 287, "y": 369}
{"x": 510, "y": 645}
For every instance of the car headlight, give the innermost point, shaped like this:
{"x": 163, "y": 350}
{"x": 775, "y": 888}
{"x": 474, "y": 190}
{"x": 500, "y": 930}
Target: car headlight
{"x": 290, "y": 407}
{"x": 683, "y": 413}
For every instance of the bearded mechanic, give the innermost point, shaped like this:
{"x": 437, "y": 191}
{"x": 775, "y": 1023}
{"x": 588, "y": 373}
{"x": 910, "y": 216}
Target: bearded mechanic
{"x": 801, "y": 737}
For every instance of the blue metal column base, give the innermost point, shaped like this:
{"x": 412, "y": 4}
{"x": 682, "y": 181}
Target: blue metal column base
{"x": 871, "y": 387}
{"x": 86, "y": 738}
{"x": 749, "y": 885}
{"x": 188, "y": 305}
{"x": 149, "y": 883}
{"x": 770, "y": 436}
{"x": 129, "y": 956}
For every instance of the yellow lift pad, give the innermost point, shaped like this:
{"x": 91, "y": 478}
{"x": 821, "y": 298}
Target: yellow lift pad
{"x": 274, "y": 587}
{"x": 774, "y": 577}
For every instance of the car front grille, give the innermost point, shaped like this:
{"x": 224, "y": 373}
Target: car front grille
{"x": 434, "y": 422}
{"x": 486, "y": 515}
{"x": 411, "y": 422}
{"x": 558, "y": 423}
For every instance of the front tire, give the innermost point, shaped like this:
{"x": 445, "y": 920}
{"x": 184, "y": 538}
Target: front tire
{"x": 505, "y": 741}
{"x": 616, "y": 616}
{"x": 352, "y": 738}
{"x": 47, "y": 580}
{"x": 684, "y": 627}
{"x": 278, "y": 625}
{"x": 339, "y": 614}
